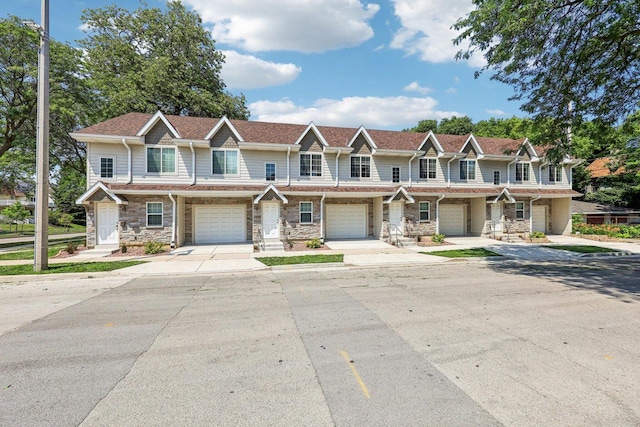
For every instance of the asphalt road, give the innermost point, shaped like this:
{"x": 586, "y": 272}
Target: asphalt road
{"x": 458, "y": 343}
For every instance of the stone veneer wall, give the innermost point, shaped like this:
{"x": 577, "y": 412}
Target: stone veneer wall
{"x": 412, "y": 216}
{"x": 188, "y": 215}
{"x": 133, "y": 221}
{"x": 91, "y": 225}
{"x": 517, "y": 225}
{"x": 290, "y": 227}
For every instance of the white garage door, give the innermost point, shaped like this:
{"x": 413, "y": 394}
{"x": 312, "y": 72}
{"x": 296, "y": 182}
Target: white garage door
{"x": 452, "y": 220}
{"x": 539, "y": 218}
{"x": 220, "y": 224}
{"x": 346, "y": 221}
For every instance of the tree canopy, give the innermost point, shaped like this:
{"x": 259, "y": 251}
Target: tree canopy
{"x": 150, "y": 60}
{"x": 560, "y": 52}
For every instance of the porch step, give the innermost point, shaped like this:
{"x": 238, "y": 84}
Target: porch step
{"x": 99, "y": 251}
{"x": 272, "y": 245}
{"x": 405, "y": 242}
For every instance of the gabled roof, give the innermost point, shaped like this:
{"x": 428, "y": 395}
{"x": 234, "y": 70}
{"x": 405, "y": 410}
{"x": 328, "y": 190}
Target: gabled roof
{"x": 400, "y": 194}
{"x": 599, "y": 168}
{"x": 504, "y": 195}
{"x": 223, "y": 121}
{"x": 362, "y": 131}
{"x": 98, "y": 186}
{"x": 269, "y": 188}
{"x": 312, "y": 128}
{"x": 157, "y": 117}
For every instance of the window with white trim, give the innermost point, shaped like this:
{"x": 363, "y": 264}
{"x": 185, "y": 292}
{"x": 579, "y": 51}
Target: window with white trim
{"x": 360, "y": 166}
{"x": 467, "y": 169}
{"x": 395, "y": 174}
{"x": 306, "y": 212}
{"x": 522, "y": 171}
{"x": 496, "y": 177}
{"x": 428, "y": 168}
{"x": 519, "y": 210}
{"x": 310, "y": 164}
{"x": 161, "y": 159}
{"x": 224, "y": 162}
{"x": 424, "y": 208}
{"x": 106, "y": 167}
{"x": 555, "y": 174}
{"x": 154, "y": 214}
{"x": 270, "y": 171}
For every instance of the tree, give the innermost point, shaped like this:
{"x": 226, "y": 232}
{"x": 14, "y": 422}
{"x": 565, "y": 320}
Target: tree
{"x": 557, "y": 53}
{"x": 425, "y": 126}
{"x": 69, "y": 184}
{"x": 148, "y": 60}
{"x": 456, "y": 126}
{"x": 16, "y": 213}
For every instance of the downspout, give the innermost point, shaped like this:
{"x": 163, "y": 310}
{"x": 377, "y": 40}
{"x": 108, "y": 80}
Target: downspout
{"x": 322, "y": 217}
{"x": 411, "y": 160}
{"x": 338, "y": 168}
{"x": 288, "y": 166}
{"x": 509, "y": 172}
{"x": 540, "y": 176}
{"x": 173, "y": 222}
{"x": 531, "y": 212}
{"x": 128, "y": 161}
{"x": 438, "y": 213}
{"x": 193, "y": 163}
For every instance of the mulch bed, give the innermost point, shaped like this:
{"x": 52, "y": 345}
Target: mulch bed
{"x": 302, "y": 246}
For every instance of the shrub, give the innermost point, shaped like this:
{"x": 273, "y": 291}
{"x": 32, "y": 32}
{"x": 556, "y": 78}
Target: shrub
{"x": 537, "y": 235}
{"x": 438, "y": 238}
{"x": 71, "y": 248}
{"x": 123, "y": 248}
{"x": 152, "y": 248}
{"x": 314, "y": 243}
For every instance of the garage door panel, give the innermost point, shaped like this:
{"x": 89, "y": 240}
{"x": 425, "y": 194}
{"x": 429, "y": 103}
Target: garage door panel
{"x": 452, "y": 220}
{"x": 220, "y": 224}
{"x": 346, "y": 221}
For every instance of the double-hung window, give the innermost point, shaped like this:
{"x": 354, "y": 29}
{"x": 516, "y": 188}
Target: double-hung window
{"x": 496, "y": 177}
{"x": 306, "y": 212}
{"x": 360, "y": 167}
{"x": 310, "y": 164}
{"x": 555, "y": 174}
{"x": 161, "y": 159}
{"x": 522, "y": 172}
{"x": 519, "y": 210}
{"x": 467, "y": 169}
{"x": 106, "y": 167}
{"x": 428, "y": 168}
{"x": 424, "y": 211}
{"x": 270, "y": 171}
{"x": 224, "y": 162}
{"x": 154, "y": 214}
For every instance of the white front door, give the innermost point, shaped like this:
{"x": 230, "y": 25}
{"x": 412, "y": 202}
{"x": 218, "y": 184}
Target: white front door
{"x": 107, "y": 219}
{"x": 270, "y": 217}
{"x": 496, "y": 217}
{"x": 539, "y": 218}
{"x": 395, "y": 215}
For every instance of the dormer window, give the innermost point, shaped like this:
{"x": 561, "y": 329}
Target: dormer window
{"x": 522, "y": 172}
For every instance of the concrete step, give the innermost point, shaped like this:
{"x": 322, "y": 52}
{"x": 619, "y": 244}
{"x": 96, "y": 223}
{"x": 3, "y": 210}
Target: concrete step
{"x": 272, "y": 245}
{"x": 99, "y": 251}
{"x": 405, "y": 242}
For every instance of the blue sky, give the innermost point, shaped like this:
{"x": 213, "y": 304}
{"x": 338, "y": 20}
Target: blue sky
{"x": 386, "y": 64}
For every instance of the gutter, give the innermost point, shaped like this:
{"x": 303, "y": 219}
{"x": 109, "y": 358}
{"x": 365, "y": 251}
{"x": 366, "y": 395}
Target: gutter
{"x": 322, "y": 217}
{"x": 509, "y": 172}
{"x": 531, "y": 213}
{"x": 438, "y": 213}
{"x": 337, "y": 169}
{"x": 571, "y": 171}
{"x": 130, "y": 171}
{"x": 173, "y": 223}
{"x": 288, "y": 166}
{"x": 193, "y": 162}
{"x": 411, "y": 160}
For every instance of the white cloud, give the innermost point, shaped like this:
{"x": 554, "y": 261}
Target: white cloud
{"x": 426, "y": 29}
{"x": 84, "y": 27}
{"x": 415, "y": 87}
{"x": 372, "y": 112}
{"x": 248, "y": 72}
{"x": 303, "y": 26}
{"x": 496, "y": 112}
{"x": 452, "y": 90}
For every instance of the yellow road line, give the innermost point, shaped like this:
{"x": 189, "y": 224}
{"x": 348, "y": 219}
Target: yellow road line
{"x": 347, "y": 359}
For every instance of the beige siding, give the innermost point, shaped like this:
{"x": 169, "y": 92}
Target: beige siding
{"x": 360, "y": 146}
{"x": 116, "y": 151}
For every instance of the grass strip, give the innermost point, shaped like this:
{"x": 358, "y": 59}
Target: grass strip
{"x": 28, "y": 254}
{"x": 80, "y": 267}
{"x": 583, "y": 249}
{"x": 28, "y": 230}
{"x": 300, "y": 259}
{"x": 463, "y": 253}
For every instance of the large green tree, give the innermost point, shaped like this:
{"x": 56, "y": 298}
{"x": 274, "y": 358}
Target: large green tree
{"x": 149, "y": 60}
{"x": 567, "y": 60}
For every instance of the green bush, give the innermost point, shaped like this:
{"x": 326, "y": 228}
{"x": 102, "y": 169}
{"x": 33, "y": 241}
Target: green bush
{"x": 314, "y": 243}
{"x": 621, "y": 231}
{"x": 152, "y": 248}
{"x": 71, "y": 248}
{"x": 123, "y": 248}
{"x": 438, "y": 238}
{"x": 537, "y": 235}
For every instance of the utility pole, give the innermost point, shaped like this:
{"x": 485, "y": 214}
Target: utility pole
{"x": 41, "y": 259}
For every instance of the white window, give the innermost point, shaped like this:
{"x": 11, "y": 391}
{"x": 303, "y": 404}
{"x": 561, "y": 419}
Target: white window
{"x": 224, "y": 162}
{"x": 395, "y": 174}
{"x": 522, "y": 172}
{"x": 496, "y": 177}
{"x": 467, "y": 169}
{"x": 428, "y": 168}
{"x": 106, "y": 167}
{"x": 270, "y": 171}
{"x": 360, "y": 166}
{"x": 161, "y": 159}
{"x": 310, "y": 164}
{"x": 555, "y": 174}
{"x": 154, "y": 214}
{"x": 306, "y": 212}
{"x": 519, "y": 210}
{"x": 424, "y": 211}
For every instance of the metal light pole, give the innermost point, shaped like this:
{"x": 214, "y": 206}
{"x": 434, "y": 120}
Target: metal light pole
{"x": 41, "y": 259}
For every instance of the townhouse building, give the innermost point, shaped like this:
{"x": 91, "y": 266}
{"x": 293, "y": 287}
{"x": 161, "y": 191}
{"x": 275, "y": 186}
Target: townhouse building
{"x": 189, "y": 180}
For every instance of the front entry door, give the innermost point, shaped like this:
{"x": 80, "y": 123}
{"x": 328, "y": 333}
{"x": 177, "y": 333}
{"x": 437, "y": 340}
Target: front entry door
{"x": 395, "y": 215}
{"x": 270, "y": 217}
{"x": 107, "y": 218}
{"x": 496, "y": 217}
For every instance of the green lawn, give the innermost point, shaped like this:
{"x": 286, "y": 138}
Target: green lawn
{"x": 81, "y": 267}
{"x": 301, "y": 259}
{"x": 583, "y": 249}
{"x": 28, "y": 230}
{"x": 28, "y": 254}
{"x": 463, "y": 253}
